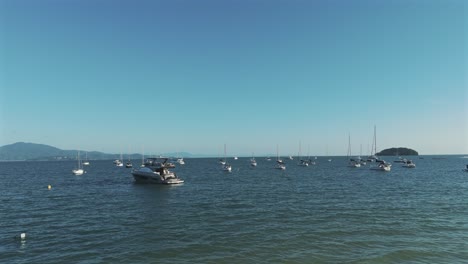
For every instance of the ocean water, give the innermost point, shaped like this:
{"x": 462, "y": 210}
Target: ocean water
{"x": 327, "y": 213}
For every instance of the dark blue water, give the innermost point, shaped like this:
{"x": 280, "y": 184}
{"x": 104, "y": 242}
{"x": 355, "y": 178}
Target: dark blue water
{"x": 327, "y": 213}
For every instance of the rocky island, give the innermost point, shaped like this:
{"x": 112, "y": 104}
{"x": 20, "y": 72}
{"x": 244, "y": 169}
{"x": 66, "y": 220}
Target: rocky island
{"x": 398, "y": 152}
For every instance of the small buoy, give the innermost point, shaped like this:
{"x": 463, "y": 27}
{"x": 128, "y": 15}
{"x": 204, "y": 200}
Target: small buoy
{"x": 49, "y": 187}
{"x": 23, "y": 235}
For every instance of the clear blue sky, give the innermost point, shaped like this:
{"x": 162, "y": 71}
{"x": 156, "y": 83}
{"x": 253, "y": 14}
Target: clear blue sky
{"x": 182, "y": 75}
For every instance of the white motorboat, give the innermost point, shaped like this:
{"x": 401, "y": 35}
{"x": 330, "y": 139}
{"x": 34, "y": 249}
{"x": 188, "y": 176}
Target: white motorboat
{"x": 180, "y": 161}
{"x": 155, "y": 175}
{"x": 409, "y": 164}
{"x": 156, "y": 172}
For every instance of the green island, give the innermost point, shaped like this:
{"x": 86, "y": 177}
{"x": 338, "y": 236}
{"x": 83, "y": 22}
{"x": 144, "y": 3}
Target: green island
{"x": 398, "y": 152}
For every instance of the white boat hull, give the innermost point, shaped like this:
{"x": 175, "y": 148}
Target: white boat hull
{"x": 382, "y": 168}
{"x": 280, "y": 167}
{"x": 227, "y": 168}
{"x": 354, "y": 165}
{"x": 78, "y": 172}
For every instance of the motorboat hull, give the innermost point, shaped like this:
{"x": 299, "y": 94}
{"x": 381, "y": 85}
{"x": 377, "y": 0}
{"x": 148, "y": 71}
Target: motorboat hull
{"x": 146, "y": 175}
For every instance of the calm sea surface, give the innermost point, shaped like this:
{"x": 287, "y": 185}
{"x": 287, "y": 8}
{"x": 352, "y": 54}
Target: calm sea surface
{"x": 327, "y": 213}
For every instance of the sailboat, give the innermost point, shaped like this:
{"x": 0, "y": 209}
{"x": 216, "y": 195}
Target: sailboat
{"x": 222, "y": 161}
{"x": 86, "y": 162}
{"x": 383, "y": 165}
{"x": 279, "y": 163}
{"x": 373, "y": 156}
{"x": 129, "y": 163}
{"x": 362, "y": 161}
{"x": 352, "y": 162}
{"x": 79, "y": 170}
{"x": 311, "y": 162}
{"x": 302, "y": 161}
{"x": 226, "y": 166}
{"x": 119, "y": 163}
{"x": 142, "y": 157}
{"x": 329, "y": 160}
{"x": 253, "y": 162}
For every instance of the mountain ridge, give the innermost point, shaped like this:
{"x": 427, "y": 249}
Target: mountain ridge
{"x": 35, "y": 151}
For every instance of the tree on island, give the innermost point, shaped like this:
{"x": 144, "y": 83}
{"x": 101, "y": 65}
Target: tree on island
{"x": 398, "y": 152}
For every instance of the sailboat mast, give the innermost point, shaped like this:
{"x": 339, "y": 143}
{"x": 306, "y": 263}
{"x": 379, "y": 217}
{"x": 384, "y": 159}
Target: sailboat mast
{"x": 349, "y": 145}
{"x": 375, "y": 141}
{"x": 300, "y": 152}
{"x": 277, "y": 153}
{"x": 79, "y": 161}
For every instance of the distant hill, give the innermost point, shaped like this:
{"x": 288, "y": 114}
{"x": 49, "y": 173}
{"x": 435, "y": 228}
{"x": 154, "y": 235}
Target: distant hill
{"x": 398, "y": 152}
{"x": 32, "y": 151}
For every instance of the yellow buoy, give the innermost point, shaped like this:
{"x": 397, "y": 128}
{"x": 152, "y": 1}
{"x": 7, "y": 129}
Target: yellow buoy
{"x": 49, "y": 187}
